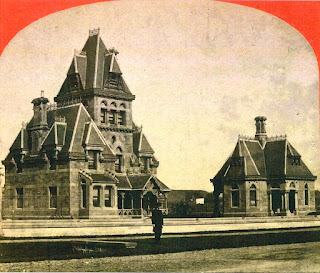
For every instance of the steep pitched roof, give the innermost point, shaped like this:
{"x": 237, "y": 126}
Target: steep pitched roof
{"x": 21, "y": 141}
{"x": 140, "y": 182}
{"x": 275, "y": 160}
{"x": 56, "y": 135}
{"x": 296, "y": 170}
{"x": 275, "y": 156}
{"x": 141, "y": 144}
{"x": 124, "y": 183}
{"x": 92, "y": 136}
{"x": 91, "y": 69}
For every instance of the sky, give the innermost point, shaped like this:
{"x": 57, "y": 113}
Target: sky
{"x": 201, "y": 72}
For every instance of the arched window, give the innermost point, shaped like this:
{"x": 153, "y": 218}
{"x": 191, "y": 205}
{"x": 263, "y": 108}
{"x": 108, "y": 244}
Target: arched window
{"x": 235, "y": 195}
{"x": 104, "y": 111}
{"x": 306, "y": 195}
{"x": 253, "y": 195}
{"x": 122, "y": 114}
{"x": 119, "y": 162}
{"x": 112, "y": 117}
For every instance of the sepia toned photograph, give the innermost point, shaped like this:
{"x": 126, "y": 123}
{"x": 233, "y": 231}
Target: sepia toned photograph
{"x": 159, "y": 136}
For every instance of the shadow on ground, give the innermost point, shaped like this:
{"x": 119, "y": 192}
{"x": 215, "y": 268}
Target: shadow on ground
{"x": 53, "y": 249}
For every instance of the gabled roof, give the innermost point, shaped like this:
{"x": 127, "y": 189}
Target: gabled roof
{"x": 56, "y": 135}
{"x": 71, "y": 130}
{"x": 141, "y": 144}
{"x": 140, "y": 182}
{"x": 92, "y": 136}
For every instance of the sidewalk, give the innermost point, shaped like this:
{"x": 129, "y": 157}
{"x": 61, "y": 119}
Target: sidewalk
{"x": 101, "y": 227}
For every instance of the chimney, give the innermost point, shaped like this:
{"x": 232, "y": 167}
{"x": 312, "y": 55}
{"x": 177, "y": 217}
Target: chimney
{"x": 40, "y": 122}
{"x": 261, "y": 133}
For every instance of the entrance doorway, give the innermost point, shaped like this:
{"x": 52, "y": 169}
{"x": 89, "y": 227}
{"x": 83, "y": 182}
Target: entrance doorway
{"x": 149, "y": 202}
{"x": 292, "y": 201}
{"x": 276, "y": 200}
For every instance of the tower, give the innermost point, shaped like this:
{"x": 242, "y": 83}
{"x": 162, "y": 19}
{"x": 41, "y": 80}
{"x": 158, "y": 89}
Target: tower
{"x": 95, "y": 79}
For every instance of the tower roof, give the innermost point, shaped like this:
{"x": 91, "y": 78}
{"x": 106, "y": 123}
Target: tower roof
{"x": 94, "y": 69}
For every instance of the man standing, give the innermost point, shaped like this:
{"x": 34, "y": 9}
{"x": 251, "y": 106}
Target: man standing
{"x": 157, "y": 222}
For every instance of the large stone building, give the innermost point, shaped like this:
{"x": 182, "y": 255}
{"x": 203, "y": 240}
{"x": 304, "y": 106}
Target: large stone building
{"x": 264, "y": 176}
{"x": 83, "y": 157}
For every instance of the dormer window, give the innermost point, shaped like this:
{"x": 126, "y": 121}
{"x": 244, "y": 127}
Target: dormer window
{"x": 237, "y": 161}
{"x": 295, "y": 160}
{"x": 114, "y": 80}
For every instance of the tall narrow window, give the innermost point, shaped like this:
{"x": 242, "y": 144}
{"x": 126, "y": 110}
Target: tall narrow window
{"x": 122, "y": 118}
{"x": 107, "y": 196}
{"x": 103, "y": 115}
{"x": 306, "y": 195}
{"x": 253, "y": 196}
{"x": 83, "y": 194}
{"x": 93, "y": 160}
{"x": 53, "y": 194}
{"x": 118, "y": 163}
{"x": 235, "y": 196}
{"x": 112, "y": 117}
{"x": 96, "y": 196}
{"x": 19, "y": 198}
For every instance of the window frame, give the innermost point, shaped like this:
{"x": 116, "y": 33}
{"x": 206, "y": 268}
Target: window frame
{"x": 107, "y": 189}
{"x": 19, "y": 198}
{"x": 306, "y": 195}
{"x": 235, "y": 192}
{"x": 96, "y": 199}
{"x": 53, "y": 199}
{"x": 253, "y": 191}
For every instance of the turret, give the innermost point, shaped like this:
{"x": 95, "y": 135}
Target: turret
{"x": 40, "y": 122}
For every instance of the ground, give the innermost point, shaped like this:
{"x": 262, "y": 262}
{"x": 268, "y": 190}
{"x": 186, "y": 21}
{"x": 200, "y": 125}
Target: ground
{"x": 303, "y": 257}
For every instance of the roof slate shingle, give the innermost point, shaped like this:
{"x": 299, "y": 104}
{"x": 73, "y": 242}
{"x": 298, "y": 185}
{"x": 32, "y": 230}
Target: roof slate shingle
{"x": 274, "y": 161}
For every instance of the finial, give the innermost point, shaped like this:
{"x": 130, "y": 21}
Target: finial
{"x": 42, "y": 93}
{"x": 93, "y": 32}
{"x": 113, "y": 50}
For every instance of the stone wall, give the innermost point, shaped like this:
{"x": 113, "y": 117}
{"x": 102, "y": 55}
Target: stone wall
{"x": 36, "y": 196}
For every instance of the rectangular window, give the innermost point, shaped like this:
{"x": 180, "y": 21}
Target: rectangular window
{"x": 83, "y": 196}
{"x": 112, "y": 117}
{"x": 19, "y": 198}
{"x": 93, "y": 160}
{"x": 107, "y": 196}
{"x": 96, "y": 196}
{"x": 53, "y": 196}
{"x": 235, "y": 198}
{"x": 103, "y": 115}
{"x": 118, "y": 164}
{"x": 253, "y": 198}
{"x": 122, "y": 118}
